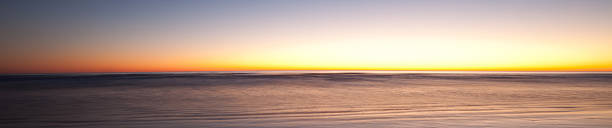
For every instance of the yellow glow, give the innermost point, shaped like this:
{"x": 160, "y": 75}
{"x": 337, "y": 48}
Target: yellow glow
{"x": 425, "y": 53}
{"x": 443, "y": 52}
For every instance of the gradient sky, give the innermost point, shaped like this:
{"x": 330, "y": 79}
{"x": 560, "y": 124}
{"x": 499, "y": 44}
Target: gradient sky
{"x": 176, "y": 35}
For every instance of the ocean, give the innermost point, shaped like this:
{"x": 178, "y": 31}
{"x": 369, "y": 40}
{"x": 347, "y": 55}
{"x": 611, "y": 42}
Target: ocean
{"x": 307, "y": 99}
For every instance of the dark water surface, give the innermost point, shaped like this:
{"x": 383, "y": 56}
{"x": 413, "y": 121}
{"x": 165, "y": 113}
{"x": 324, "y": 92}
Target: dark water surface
{"x": 307, "y": 99}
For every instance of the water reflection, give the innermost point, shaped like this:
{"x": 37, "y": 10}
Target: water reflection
{"x": 307, "y": 100}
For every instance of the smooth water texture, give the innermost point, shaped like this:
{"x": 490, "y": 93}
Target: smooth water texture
{"x": 307, "y": 99}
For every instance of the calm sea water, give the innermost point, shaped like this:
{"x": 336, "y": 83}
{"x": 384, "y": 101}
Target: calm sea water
{"x": 307, "y": 99}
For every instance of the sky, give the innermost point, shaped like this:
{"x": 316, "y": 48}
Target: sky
{"x": 65, "y": 36}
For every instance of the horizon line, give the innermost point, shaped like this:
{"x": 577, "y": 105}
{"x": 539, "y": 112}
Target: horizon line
{"x": 416, "y": 71}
